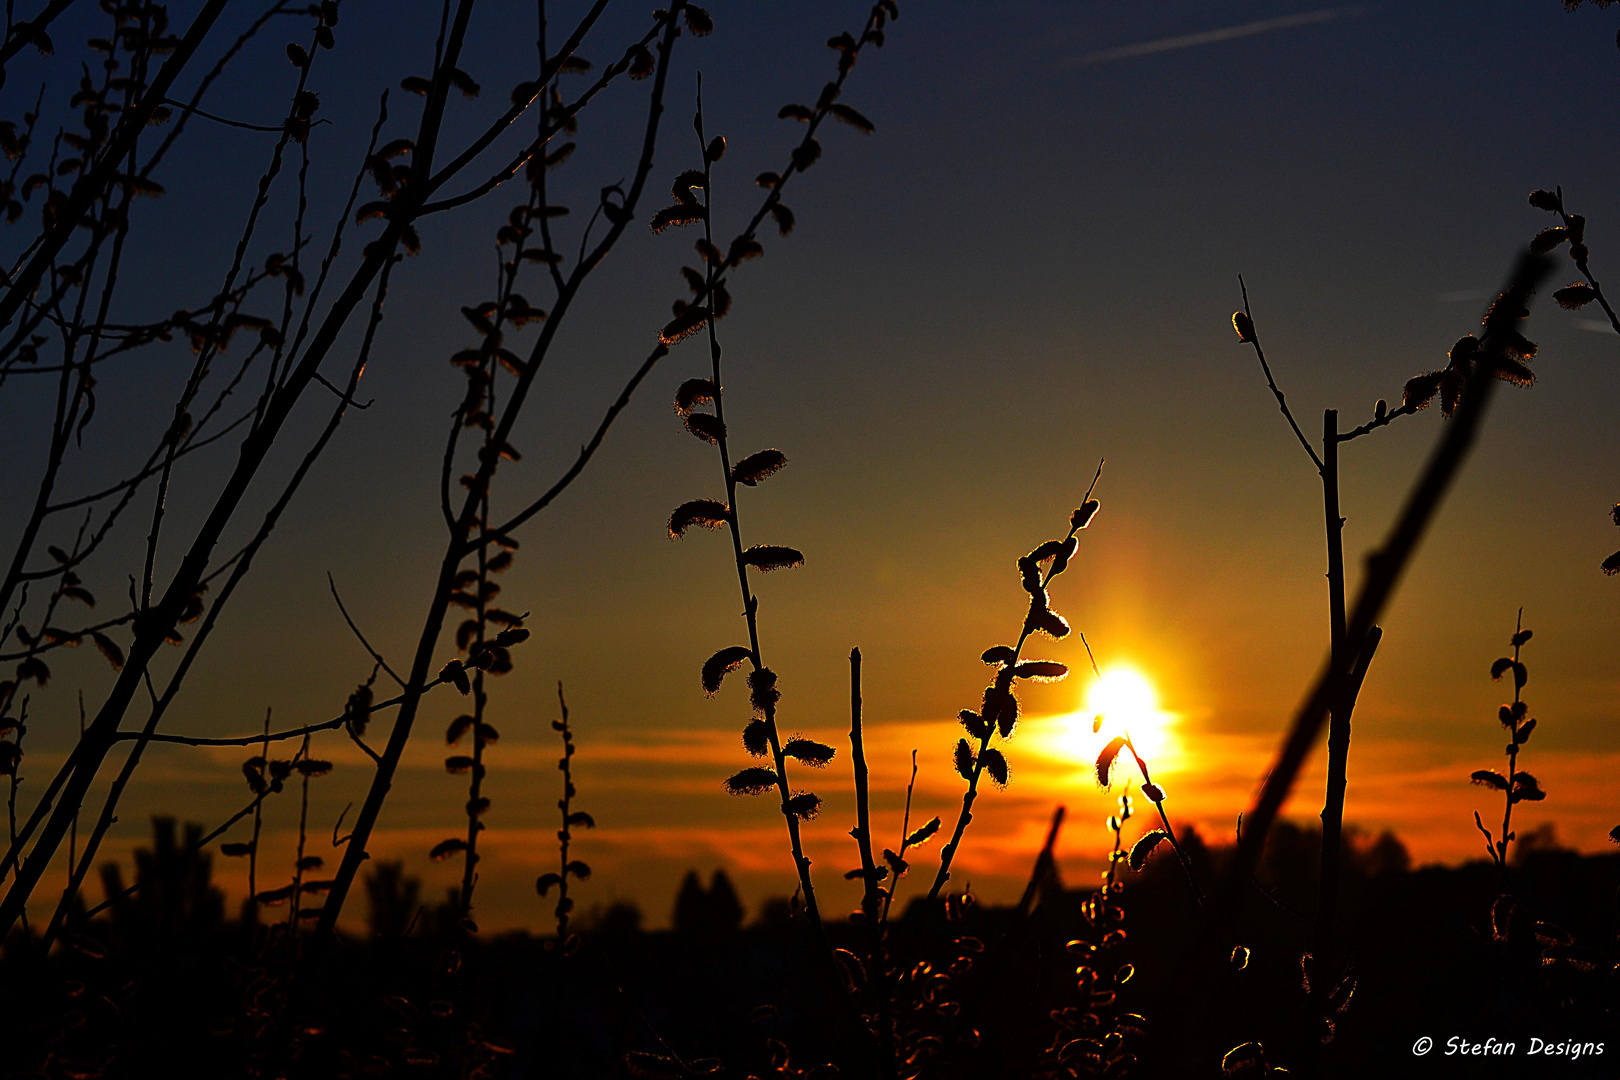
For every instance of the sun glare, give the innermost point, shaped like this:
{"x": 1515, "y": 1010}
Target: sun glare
{"x": 1122, "y": 702}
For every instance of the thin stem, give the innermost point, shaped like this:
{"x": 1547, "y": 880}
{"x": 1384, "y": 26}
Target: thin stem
{"x": 1282, "y": 402}
{"x": 801, "y": 862}
{"x": 475, "y": 781}
{"x": 279, "y": 736}
{"x": 94, "y": 180}
{"x": 1513, "y": 754}
{"x": 564, "y": 905}
{"x": 905, "y": 834}
{"x": 459, "y": 544}
{"x": 1169, "y": 831}
{"x": 1003, "y": 684}
{"x": 1378, "y": 421}
{"x": 863, "y": 818}
{"x": 1384, "y": 569}
{"x": 1117, "y": 823}
{"x": 373, "y": 653}
{"x": 1339, "y": 711}
{"x": 1582, "y": 263}
{"x": 258, "y": 821}
{"x": 303, "y": 836}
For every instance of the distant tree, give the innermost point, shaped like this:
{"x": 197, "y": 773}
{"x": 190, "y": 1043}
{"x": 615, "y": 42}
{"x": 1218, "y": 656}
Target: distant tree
{"x": 175, "y": 891}
{"x": 393, "y": 898}
{"x": 690, "y": 900}
{"x": 725, "y": 910}
{"x": 1541, "y": 840}
{"x": 1387, "y": 855}
{"x": 705, "y": 912}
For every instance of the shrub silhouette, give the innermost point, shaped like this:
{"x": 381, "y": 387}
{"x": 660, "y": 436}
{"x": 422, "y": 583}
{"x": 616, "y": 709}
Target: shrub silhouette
{"x": 707, "y": 912}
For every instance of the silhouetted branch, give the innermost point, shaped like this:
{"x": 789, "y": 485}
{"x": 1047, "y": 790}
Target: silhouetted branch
{"x": 1384, "y": 569}
{"x": 1253, "y": 338}
{"x": 1377, "y": 422}
{"x": 1045, "y": 861}
{"x": 93, "y": 181}
{"x": 586, "y": 452}
{"x": 375, "y": 655}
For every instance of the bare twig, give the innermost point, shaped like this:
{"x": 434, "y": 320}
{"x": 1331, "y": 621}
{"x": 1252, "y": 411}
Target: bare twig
{"x": 1282, "y": 402}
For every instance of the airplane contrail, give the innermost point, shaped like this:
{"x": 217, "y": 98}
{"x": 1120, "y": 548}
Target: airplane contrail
{"x": 1210, "y": 37}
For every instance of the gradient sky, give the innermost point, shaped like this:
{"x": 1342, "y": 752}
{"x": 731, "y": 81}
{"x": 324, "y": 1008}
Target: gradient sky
{"x": 1031, "y": 265}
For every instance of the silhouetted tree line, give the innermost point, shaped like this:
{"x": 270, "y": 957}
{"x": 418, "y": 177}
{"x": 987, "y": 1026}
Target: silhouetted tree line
{"x": 167, "y": 984}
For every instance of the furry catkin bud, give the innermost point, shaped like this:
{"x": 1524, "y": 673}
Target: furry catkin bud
{"x": 922, "y": 835}
{"x": 680, "y": 213}
{"x": 698, "y": 21}
{"x": 446, "y": 848}
{"x": 762, "y": 691}
{"x": 1547, "y": 239}
{"x": 683, "y": 326}
{"x": 756, "y": 737}
{"x": 1144, "y": 847}
{"x": 853, "y": 119}
{"x": 706, "y": 427}
{"x": 685, "y": 183}
{"x": 456, "y": 675}
{"x": 1061, "y": 562}
{"x": 1546, "y": 200}
{"x": 1000, "y": 708}
{"x": 976, "y": 725}
{"x": 1244, "y": 327}
{"x": 768, "y": 557}
{"x": 1047, "y": 622}
{"x": 995, "y": 763}
{"x": 1030, "y": 576}
{"x": 1572, "y": 297}
{"x": 812, "y": 753}
{"x": 755, "y": 781}
{"x": 964, "y": 759}
{"x": 1420, "y": 390}
{"x": 1105, "y": 760}
{"x": 692, "y": 393}
{"x": 707, "y": 513}
{"x": 756, "y": 467}
{"x": 805, "y": 805}
{"x": 727, "y": 660}
{"x": 1048, "y": 550}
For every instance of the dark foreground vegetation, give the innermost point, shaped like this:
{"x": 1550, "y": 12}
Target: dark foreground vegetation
{"x": 1318, "y": 951}
{"x": 168, "y": 986}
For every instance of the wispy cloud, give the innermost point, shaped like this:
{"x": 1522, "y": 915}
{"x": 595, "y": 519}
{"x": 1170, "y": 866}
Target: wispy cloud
{"x": 1210, "y": 37}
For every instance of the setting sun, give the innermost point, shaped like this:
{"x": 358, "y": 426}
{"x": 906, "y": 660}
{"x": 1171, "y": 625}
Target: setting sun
{"x": 1122, "y": 702}
{"x": 1129, "y": 705}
